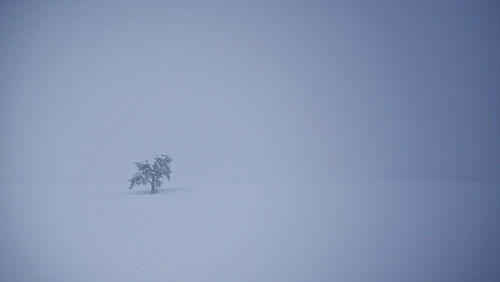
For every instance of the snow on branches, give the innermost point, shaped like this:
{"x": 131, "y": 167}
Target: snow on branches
{"x": 151, "y": 173}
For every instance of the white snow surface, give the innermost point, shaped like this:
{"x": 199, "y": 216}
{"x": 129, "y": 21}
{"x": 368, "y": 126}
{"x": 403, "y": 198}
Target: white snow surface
{"x": 338, "y": 231}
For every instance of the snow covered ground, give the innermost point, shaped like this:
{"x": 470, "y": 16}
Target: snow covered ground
{"x": 339, "y": 231}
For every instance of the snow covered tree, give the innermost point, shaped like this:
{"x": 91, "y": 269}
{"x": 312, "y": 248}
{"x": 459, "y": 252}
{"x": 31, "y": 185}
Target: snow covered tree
{"x": 152, "y": 173}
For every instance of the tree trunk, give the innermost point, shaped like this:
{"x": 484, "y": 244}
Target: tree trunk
{"x": 153, "y": 188}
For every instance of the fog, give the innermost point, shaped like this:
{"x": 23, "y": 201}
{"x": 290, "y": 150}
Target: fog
{"x": 244, "y": 90}
{"x": 391, "y": 102}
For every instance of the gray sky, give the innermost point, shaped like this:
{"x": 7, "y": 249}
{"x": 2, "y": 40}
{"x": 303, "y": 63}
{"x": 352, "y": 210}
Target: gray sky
{"x": 269, "y": 98}
{"x": 253, "y": 90}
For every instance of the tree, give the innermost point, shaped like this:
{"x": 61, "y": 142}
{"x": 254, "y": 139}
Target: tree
{"x": 152, "y": 173}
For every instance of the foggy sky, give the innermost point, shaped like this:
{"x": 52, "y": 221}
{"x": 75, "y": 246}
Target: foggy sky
{"x": 236, "y": 91}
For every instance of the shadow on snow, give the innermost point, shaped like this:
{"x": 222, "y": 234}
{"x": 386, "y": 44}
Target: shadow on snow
{"x": 159, "y": 191}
